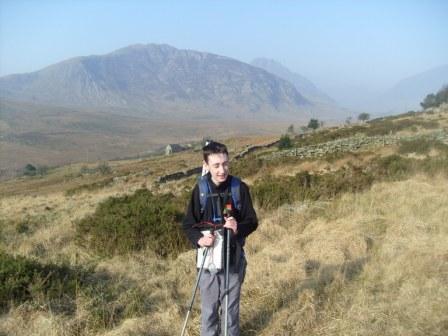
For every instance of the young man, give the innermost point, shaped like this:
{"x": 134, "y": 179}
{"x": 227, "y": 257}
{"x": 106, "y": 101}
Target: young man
{"x": 242, "y": 221}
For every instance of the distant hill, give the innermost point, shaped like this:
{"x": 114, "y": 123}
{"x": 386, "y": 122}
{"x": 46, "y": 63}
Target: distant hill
{"x": 159, "y": 81}
{"x": 323, "y": 105}
{"x": 408, "y": 93}
{"x": 302, "y": 84}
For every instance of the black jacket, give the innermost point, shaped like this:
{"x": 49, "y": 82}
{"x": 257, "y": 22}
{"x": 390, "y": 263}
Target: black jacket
{"x": 246, "y": 217}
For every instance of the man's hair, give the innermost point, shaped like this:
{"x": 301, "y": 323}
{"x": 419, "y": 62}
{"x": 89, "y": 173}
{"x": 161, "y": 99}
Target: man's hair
{"x": 213, "y": 147}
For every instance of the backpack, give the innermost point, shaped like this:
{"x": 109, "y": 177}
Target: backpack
{"x": 204, "y": 191}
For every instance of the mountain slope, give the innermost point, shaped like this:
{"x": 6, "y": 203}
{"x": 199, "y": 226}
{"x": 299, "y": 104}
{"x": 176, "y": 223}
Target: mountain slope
{"x": 408, "y": 93}
{"x": 323, "y": 105}
{"x": 302, "y": 84}
{"x": 157, "y": 80}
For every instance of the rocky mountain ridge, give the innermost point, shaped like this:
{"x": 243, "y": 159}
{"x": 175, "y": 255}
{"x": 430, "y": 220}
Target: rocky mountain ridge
{"x": 158, "y": 81}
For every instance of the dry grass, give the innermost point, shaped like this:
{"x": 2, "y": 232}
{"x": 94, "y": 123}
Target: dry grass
{"x": 374, "y": 263}
{"x": 378, "y": 266}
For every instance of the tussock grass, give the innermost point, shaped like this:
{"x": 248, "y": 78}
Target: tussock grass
{"x": 371, "y": 264}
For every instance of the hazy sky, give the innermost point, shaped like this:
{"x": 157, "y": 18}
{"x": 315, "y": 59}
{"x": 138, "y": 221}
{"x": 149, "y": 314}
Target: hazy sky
{"x": 336, "y": 44}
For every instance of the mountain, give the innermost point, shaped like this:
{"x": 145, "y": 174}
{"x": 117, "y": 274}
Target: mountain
{"x": 408, "y": 93}
{"x": 323, "y": 105}
{"x": 302, "y": 84}
{"x": 160, "y": 81}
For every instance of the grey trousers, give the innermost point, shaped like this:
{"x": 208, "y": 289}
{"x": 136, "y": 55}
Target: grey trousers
{"x": 212, "y": 299}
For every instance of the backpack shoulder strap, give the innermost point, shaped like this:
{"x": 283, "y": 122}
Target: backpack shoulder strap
{"x": 203, "y": 192}
{"x": 235, "y": 184}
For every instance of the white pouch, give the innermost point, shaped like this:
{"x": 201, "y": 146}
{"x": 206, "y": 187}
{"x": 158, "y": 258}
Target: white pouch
{"x": 214, "y": 259}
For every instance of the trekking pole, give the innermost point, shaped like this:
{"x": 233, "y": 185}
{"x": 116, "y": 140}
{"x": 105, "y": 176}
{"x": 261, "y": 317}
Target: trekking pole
{"x": 227, "y": 212}
{"x": 194, "y": 291}
{"x": 226, "y": 311}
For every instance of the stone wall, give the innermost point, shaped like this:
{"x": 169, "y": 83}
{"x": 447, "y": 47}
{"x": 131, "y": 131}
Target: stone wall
{"x": 253, "y": 148}
{"x": 352, "y": 144}
{"x": 180, "y": 175}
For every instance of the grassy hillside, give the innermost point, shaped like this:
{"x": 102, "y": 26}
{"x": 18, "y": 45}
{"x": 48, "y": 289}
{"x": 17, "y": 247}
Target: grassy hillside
{"x": 361, "y": 211}
{"x": 49, "y": 136}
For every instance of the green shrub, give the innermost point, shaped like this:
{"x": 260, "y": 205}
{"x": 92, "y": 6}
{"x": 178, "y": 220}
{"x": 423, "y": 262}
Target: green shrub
{"x": 86, "y": 170}
{"x": 109, "y": 301}
{"x": 130, "y": 223}
{"x": 23, "y": 279}
{"x": 385, "y": 127}
{"x": 56, "y": 288}
{"x": 285, "y": 142}
{"x": 29, "y": 170}
{"x": 42, "y": 170}
{"x": 22, "y": 227}
{"x": 363, "y": 116}
{"x": 271, "y": 192}
{"x": 391, "y": 126}
{"x": 331, "y": 185}
{"x": 328, "y": 135}
{"x": 435, "y": 100}
{"x": 104, "y": 168}
{"x": 409, "y": 114}
{"x": 419, "y": 146}
{"x": 435, "y": 165}
{"x": 90, "y": 186}
{"x": 393, "y": 167}
{"x": 28, "y": 224}
{"x": 429, "y": 124}
{"x": 247, "y": 166}
{"x": 313, "y": 124}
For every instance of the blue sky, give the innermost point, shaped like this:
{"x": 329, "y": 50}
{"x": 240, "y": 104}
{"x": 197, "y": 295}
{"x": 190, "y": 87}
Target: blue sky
{"x": 336, "y": 44}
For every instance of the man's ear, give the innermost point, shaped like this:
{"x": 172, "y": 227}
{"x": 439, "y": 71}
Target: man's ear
{"x": 204, "y": 164}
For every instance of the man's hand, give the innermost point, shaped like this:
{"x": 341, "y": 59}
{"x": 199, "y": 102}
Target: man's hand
{"x": 231, "y": 224}
{"x": 206, "y": 240}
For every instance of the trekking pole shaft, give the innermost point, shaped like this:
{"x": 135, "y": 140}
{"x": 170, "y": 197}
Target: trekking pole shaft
{"x": 194, "y": 291}
{"x": 185, "y": 323}
{"x": 226, "y": 311}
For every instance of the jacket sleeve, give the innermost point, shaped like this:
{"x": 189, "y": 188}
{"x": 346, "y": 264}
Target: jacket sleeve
{"x": 248, "y": 221}
{"x": 193, "y": 216}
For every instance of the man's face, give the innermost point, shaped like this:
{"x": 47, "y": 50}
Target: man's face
{"x": 218, "y": 165}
